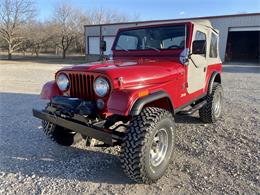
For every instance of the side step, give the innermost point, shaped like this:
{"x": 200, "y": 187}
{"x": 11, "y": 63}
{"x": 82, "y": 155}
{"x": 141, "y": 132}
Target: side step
{"x": 193, "y": 109}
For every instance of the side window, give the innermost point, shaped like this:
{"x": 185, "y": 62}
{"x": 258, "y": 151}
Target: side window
{"x": 213, "y": 51}
{"x": 200, "y": 36}
{"x": 201, "y": 40}
{"x": 127, "y": 42}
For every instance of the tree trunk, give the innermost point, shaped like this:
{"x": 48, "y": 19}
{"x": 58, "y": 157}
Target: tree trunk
{"x": 56, "y": 50}
{"x": 9, "y": 56}
{"x": 37, "y": 50}
{"x": 10, "y": 51}
{"x": 81, "y": 49}
{"x": 63, "y": 54}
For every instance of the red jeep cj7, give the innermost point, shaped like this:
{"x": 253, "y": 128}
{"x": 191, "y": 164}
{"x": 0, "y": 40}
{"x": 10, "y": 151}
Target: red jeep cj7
{"x": 157, "y": 72}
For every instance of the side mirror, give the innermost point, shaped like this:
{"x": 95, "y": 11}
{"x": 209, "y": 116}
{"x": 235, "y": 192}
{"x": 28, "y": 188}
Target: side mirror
{"x": 103, "y": 45}
{"x": 199, "y": 47}
{"x": 184, "y": 56}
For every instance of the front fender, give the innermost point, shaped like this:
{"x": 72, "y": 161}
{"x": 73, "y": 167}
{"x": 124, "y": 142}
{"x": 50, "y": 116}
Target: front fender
{"x": 130, "y": 103}
{"x": 141, "y": 102}
{"x": 119, "y": 102}
{"x": 49, "y": 90}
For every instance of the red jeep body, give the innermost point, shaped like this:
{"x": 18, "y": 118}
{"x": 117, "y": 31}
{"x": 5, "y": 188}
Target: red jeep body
{"x": 157, "y": 71}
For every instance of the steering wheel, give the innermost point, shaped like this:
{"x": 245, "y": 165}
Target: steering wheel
{"x": 173, "y": 46}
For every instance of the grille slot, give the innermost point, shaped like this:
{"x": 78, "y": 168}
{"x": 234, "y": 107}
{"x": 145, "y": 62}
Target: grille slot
{"x": 81, "y": 86}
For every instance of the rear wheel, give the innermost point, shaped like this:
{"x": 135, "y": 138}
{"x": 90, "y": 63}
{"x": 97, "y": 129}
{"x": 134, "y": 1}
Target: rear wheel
{"x": 148, "y": 145}
{"x": 212, "y": 111}
{"x": 60, "y": 135}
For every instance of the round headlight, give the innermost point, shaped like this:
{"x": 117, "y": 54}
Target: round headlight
{"x": 62, "y": 82}
{"x": 101, "y": 86}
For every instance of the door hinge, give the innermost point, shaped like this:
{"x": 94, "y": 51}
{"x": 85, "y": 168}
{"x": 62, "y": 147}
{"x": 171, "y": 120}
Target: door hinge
{"x": 184, "y": 85}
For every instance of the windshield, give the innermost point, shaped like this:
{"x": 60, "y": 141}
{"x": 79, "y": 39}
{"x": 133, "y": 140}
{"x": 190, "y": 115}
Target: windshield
{"x": 152, "y": 38}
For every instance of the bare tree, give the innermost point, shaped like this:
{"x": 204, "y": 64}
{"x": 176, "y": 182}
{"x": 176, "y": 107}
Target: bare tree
{"x": 64, "y": 32}
{"x": 80, "y": 20}
{"x": 105, "y": 16}
{"x": 65, "y": 27}
{"x": 13, "y": 15}
{"x": 38, "y": 34}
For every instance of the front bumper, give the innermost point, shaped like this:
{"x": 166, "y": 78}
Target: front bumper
{"x": 68, "y": 116}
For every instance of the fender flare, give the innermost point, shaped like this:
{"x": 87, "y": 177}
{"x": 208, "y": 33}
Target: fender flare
{"x": 212, "y": 79}
{"x": 49, "y": 90}
{"x": 141, "y": 102}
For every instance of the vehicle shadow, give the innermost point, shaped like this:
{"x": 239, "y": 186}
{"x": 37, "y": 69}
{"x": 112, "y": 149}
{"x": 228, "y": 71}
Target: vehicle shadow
{"x": 26, "y": 151}
{"x": 187, "y": 119}
{"x": 71, "y": 163}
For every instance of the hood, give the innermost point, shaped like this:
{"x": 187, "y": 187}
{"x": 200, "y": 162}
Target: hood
{"x": 133, "y": 73}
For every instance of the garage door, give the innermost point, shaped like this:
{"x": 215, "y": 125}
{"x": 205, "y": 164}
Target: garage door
{"x": 236, "y": 29}
{"x": 243, "y": 45}
{"x": 94, "y": 44}
{"x": 109, "y": 41}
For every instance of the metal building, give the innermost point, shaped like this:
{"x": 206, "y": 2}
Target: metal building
{"x": 239, "y": 35}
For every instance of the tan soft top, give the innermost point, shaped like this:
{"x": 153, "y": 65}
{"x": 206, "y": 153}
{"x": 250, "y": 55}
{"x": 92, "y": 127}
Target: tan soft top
{"x": 202, "y": 22}
{"x": 206, "y": 23}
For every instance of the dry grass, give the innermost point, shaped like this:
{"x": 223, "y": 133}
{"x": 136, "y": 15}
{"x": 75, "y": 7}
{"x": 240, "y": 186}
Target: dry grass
{"x": 42, "y": 59}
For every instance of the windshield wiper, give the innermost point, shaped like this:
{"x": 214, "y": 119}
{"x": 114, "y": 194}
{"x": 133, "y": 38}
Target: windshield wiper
{"x": 150, "y": 47}
{"x": 122, "y": 48}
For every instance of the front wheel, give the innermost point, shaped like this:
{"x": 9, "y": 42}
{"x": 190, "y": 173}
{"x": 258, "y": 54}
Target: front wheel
{"x": 212, "y": 111}
{"x": 148, "y": 145}
{"x": 60, "y": 135}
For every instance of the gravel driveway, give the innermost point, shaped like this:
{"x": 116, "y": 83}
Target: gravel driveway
{"x": 217, "y": 158}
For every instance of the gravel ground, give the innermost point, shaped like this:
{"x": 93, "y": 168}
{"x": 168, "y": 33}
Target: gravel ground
{"x": 221, "y": 158}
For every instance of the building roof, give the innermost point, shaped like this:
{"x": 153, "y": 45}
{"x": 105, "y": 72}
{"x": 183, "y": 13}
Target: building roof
{"x": 204, "y": 22}
{"x": 179, "y": 19}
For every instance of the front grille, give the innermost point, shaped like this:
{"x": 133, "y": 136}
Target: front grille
{"x": 81, "y": 86}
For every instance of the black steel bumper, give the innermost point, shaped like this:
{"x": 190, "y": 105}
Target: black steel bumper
{"x": 69, "y": 116}
{"x": 93, "y": 132}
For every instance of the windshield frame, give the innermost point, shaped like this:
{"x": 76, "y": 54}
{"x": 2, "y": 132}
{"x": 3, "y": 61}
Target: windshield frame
{"x": 187, "y": 38}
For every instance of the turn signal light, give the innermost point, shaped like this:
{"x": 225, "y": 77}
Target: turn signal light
{"x": 143, "y": 93}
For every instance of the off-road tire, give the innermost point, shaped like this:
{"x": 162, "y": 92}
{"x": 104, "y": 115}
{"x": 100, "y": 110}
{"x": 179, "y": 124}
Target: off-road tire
{"x": 60, "y": 135}
{"x": 137, "y": 143}
{"x": 207, "y": 113}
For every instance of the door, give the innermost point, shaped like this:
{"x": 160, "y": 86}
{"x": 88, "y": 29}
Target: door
{"x": 94, "y": 44}
{"x": 243, "y": 45}
{"x": 198, "y": 63}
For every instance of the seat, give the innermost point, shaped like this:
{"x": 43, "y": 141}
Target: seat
{"x": 153, "y": 43}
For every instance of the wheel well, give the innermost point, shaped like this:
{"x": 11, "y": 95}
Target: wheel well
{"x": 217, "y": 79}
{"x": 158, "y": 99}
{"x": 164, "y": 103}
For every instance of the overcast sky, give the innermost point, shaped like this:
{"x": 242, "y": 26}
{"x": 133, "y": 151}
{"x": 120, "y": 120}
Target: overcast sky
{"x": 158, "y": 9}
